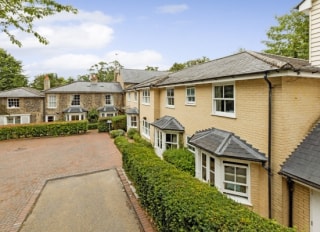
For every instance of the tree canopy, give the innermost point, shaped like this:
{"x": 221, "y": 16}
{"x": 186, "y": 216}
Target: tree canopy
{"x": 179, "y": 66}
{"x": 21, "y": 14}
{"x": 10, "y": 72}
{"x": 55, "y": 81}
{"x": 291, "y": 37}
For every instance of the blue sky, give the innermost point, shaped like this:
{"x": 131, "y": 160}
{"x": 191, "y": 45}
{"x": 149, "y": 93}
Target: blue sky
{"x": 145, "y": 33}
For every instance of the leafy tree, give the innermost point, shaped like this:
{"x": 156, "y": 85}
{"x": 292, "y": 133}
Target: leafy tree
{"x": 104, "y": 71}
{"x": 150, "y": 68}
{"x": 10, "y": 72}
{"x": 21, "y": 14}
{"x": 55, "y": 81}
{"x": 179, "y": 66}
{"x": 291, "y": 37}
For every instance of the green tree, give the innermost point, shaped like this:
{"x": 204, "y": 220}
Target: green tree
{"x": 55, "y": 81}
{"x": 104, "y": 71}
{"x": 21, "y": 14}
{"x": 150, "y": 68}
{"x": 10, "y": 72}
{"x": 291, "y": 37}
{"x": 179, "y": 66}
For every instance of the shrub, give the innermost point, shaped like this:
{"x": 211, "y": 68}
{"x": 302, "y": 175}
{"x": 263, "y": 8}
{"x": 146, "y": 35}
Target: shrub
{"x": 179, "y": 202}
{"x": 43, "y": 129}
{"x": 131, "y": 132}
{"x": 183, "y": 159}
{"x": 116, "y": 133}
{"x": 92, "y": 126}
{"x": 93, "y": 116}
{"x": 116, "y": 122}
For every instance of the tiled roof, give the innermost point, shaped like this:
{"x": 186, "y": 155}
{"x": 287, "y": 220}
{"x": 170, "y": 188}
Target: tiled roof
{"x": 150, "y": 82}
{"x": 133, "y": 110}
{"x": 88, "y": 87}
{"x": 135, "y": 76}
{"x": 168, "y": 123}
{"x": 21, "y": 92}
{"x": 243, "y": 63}
{"x": 226, "y": 144}
{"x": 107, "y": 109}
{"x": 304, "y": 162}
{"x": 74, "y": 109}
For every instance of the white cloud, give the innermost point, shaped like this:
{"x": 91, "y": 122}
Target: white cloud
{"x": 173, "y": 9}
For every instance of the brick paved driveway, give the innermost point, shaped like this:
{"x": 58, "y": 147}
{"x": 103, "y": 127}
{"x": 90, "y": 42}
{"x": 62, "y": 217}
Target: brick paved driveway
{"x": 26, "y": 164}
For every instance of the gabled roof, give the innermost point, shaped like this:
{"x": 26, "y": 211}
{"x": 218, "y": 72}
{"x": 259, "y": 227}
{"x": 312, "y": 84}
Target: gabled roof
{"x": 237, "y": 65}
{"x": 21, "y": 92}
{"x": 303, "y": 164}
{"x": 135, "y": 76}
{"x": 75, "y": 109}
{"x": 225, "y": 144}
{"x": 168, "y": 123}
{"x": 107, "y": 109}
{"x": 87, "y": 87}
{"x": 150, "y": 82}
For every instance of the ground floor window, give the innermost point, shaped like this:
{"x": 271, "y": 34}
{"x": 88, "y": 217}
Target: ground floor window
{"x": 208, "y": 168}
{"x": 14, "y": 120}
{"x": 146, "y": 128}
{"x": 134, "y": 121}
{"x": 50, "y": 118}
{"x": 189, "y": 146}
{"x": 75, "y": 117}
{"x": 171, "y": 141}
{"x": 235, "y": 179}
{"x": 159, "y": 139}
{"x": 108, "y": 114}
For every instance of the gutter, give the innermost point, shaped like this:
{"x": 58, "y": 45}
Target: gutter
{"x": 269, "y": 143}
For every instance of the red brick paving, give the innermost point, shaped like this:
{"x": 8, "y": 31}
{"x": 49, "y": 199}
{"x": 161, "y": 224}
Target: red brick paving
{"x": 25, "y": 166}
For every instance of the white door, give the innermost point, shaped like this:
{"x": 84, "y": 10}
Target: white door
{"x": 314, "y": 211}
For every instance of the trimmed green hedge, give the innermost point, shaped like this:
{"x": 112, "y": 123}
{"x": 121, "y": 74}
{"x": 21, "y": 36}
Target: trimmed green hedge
{"x": 179, "y": 202}
{"x": 117, "y": 122}
{"x": 182, "y": 159}
{"x": 116, "y": 133}
{"x": 43, "y": 129}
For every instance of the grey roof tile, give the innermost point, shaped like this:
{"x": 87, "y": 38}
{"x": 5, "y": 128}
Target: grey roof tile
{"x": 21, "y": 92}
{"x": 75, "y": 109}
{"x": 135, "y": 76}
{"x": 107, "y": 109}
{"x": 133, "y": 110}
{"x": 88, "y": 87}
{"x": 168, "y": 123}
{"x": 304, "y": 162}
{"x": 226, "y": 144}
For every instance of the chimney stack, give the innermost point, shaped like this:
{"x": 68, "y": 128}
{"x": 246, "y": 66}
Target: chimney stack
{"x": 46, "y": 83}
{"x": 94, "y": 79}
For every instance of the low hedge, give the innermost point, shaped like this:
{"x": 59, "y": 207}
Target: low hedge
{"x": 116, "y": 133}
{"x": 179, "y": 202}
{"x": 182, "y": 159}
{"x": 117, "y": 122}
{"x": 43, "y": 129}
{"x": 92, "y": 126}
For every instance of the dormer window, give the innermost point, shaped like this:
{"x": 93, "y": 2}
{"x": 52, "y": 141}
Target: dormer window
{"x": 13, "y": 103}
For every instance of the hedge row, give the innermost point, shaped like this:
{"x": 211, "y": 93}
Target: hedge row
{"x": 43, "y": 129}
{"x": 182, "y": 159}
{"x": 117, "y": 122}
{"x": 179, "y": 202}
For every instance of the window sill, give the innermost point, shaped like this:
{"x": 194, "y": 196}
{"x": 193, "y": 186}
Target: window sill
{"x": 146, "y": 104}
{"x": 240, "y": 200}
{"x": 190, "y": 104}
{"x": 170, "y": 107}
{"x": 226, "y": 115}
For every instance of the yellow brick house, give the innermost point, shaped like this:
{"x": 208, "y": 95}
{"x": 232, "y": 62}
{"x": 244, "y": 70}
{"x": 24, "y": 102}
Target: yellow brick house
{"x": 242, "y": 116}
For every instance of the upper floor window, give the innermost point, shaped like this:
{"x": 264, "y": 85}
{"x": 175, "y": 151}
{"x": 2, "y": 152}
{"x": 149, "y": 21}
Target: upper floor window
{"x": 52, "y": 101}
{"x": 129, "y": 96}
{"x": 170, "y": 97}
{"x": 109, "y": 99}
{"x": 190, "y": 95}
{"x": 75, "y": 100}
{"x": 236, "y": 179}
{"x": 13, "y": 103}
{"x": 146, "y": 96}
{"x": 135, "y": 96}
{"x": 224, "y": 100}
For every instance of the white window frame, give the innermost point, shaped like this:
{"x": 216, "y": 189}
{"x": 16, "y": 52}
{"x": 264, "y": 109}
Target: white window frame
{"x": 146, "y": 128}
{"x": 135, "y": 96}
{"x": 108, "y": 100}
{"x": 16, "y": 119}
{"x": 171, "y": 144}
{"x": 159, "y": 142}
{"x": 223, "y": 100}
{"x": 206, "y": 171}
{"x": 146, "y": 96}
{"x": 47, "y": 118}
{"x": 129, "y": 96}
{"x": 80, "y": 116}
{"x": 134, "y": 123}
{"x": 170, "y": 97}
{"x": 75, "y": 100}
{"x": 190, "y": 96}
{"x": 233, "y": 193}
{"x": 189, "y": 146}
{"x": 13, "y": 103}
{"x": 52, "y": 101}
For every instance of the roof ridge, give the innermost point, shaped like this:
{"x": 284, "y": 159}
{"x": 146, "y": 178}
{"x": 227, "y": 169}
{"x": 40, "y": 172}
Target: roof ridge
{"x": 271, "y": 61}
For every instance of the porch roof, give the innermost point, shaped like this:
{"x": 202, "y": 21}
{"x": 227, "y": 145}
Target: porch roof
{"x": 107, "y": 109}
{"x": 168, "y": 123}
{"x": 226, "y": 144}
{"x": 75, "y": 109}
{"x": 133, "y": 110}
{"x": 304, "y": 162}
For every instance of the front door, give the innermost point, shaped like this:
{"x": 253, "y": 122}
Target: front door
{"x": 314, "y": 211}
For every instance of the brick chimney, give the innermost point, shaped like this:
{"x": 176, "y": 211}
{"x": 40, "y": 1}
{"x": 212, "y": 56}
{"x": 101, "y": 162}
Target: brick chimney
{"x": 46, "y": 83}
{"x": 94, "y": 79}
